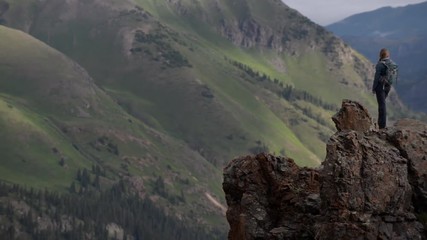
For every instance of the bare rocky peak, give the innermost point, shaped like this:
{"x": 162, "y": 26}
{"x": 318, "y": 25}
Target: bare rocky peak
{"x": 287, "y": 31}
{"x": 372, "y": 185}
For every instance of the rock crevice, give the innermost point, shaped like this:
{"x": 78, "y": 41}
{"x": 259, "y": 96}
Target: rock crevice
{"x": 372, "y": 185}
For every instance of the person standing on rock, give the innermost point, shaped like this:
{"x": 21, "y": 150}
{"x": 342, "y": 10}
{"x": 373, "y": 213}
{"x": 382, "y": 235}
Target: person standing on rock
{"x": 380, "y": 87}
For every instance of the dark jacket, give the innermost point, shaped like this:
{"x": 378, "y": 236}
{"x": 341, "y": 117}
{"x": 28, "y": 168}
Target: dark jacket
{"x": 380, "y": 70}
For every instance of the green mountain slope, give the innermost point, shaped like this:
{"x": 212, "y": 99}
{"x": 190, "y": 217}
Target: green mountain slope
{"x": 162, "y": 94}
{"x": 31, "y": 71}
{"x": 55, "y": 122}
{"x": 152, "y": 77}
{"x": 165, "y": 63}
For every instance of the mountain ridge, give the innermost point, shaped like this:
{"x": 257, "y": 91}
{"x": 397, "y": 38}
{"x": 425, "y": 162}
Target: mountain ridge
{"x": 402, "y": 31}
{"x": 161, "y": 42}
{"x": 43, "y": 147}
{"x": 410, "y": 15}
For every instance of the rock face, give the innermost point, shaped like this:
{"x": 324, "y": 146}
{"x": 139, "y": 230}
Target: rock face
{"x": 372, "y": 185}
{"x": 270, "y": 197}
{"x": 352, "y": 116}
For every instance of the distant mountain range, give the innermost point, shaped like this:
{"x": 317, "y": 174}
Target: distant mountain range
{"x": 152, "y": 98}
{"x": 404, "y": 32}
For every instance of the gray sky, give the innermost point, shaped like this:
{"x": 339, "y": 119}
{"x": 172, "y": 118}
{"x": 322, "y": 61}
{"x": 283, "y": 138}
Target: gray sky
{"x": 325, "y": 12}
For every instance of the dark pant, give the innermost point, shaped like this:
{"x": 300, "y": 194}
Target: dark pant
{"x": 382, "y": 94}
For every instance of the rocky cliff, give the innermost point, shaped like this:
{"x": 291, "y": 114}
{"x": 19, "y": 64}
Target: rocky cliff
{"x": 372, "y": 185}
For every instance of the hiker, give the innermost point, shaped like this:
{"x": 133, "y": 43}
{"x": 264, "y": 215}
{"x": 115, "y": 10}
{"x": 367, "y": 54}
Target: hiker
{"x": 382, "y": 84}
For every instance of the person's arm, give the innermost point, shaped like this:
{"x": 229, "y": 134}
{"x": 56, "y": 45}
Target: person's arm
{"x": 377, "y": 77}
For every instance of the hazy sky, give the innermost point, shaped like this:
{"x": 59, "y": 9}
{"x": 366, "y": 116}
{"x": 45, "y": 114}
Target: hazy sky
{"x": 325, "y": 12}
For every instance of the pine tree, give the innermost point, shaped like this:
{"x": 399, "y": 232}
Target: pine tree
{"x": 96, "y": 183}
{"x": 72, "y": 187}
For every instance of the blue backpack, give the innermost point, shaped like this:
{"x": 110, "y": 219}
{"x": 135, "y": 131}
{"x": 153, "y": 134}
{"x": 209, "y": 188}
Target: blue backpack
{"x": 392, "y": 71}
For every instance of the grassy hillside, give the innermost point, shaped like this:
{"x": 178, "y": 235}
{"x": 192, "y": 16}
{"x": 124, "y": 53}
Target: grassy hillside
{"x": 28, "y": 146}
{"x": 55, "y": 122}
{"x": 161, "y": 76}
{"x": 31, "y": 146}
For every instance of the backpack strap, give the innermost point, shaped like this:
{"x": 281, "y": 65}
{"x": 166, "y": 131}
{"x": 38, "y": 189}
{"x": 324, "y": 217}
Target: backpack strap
{"x": 387, "y": 67}
{"x": 385, "y": 64}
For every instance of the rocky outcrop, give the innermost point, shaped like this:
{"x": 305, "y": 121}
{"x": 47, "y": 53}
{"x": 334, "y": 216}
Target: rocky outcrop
{"x": 365, "y": 189}
{"x": 352, "y": 116}
{"x": 270, "y": 196}
{"x": 249, "y": 33}
{"x": 372, "y": 185}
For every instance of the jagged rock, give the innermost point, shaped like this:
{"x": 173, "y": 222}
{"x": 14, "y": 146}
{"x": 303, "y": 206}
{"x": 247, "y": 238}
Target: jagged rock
{"x": 372, "y": 185}
{"x": 270, "y": 197}
{"x": 248, "y": 33}
{"x": 365, "y": 190}
{"x": 410, "y": 138}
{"x": 352, "y": 116}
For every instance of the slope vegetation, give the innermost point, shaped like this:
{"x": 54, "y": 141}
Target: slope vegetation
{"x": 56, "y": 123}
{"x": 170, "y": 64}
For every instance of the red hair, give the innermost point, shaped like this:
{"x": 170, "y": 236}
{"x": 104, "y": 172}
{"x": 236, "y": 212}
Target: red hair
{"x": 384, "y": 53}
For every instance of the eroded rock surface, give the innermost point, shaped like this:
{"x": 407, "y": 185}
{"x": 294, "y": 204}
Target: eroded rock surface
{"x": 352, "y": 116}
{"x": 270, "y": 197}
{"x": 372, "y": 185}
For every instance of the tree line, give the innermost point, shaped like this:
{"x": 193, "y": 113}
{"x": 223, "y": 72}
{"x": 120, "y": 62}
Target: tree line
{"x": 285, "y": 91}
{"x": 27, "y": 213}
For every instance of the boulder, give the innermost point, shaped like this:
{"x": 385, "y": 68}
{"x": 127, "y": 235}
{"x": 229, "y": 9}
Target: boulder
{"x": 372, "y": 185}
{"x": 352, "y": 116}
